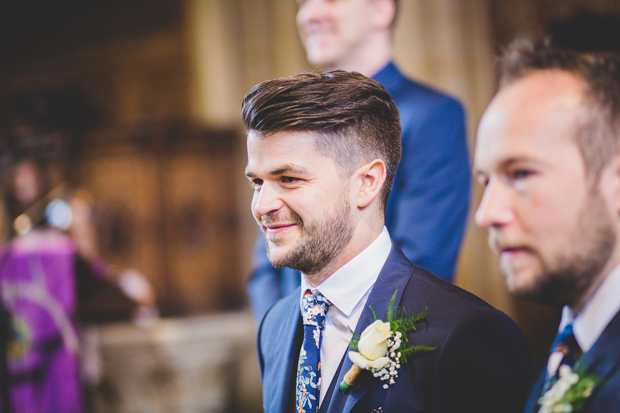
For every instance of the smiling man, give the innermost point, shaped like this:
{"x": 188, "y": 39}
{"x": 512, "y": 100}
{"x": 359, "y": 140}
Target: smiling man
{"x": 427, "y": 210}
{"x": 547, "y": 156}
{"x": 323, "y": 150}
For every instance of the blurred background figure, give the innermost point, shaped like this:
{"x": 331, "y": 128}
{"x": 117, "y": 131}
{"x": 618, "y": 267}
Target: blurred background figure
{"x": 49, "y": 265}
{"x": 427, "y": 210}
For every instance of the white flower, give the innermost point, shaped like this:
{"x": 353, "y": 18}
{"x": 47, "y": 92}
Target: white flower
{"x": 373, "y": 341}
{"x": 372, "y": 347}
{"x": 366, "y": 364}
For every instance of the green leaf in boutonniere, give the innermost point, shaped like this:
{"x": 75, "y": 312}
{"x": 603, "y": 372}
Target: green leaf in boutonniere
{"x": 383, "y": 346}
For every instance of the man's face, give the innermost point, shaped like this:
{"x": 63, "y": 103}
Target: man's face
{"x": 552, "y": 228}
{"x": 335, "y": 31}
{"x": 302, "y": 202}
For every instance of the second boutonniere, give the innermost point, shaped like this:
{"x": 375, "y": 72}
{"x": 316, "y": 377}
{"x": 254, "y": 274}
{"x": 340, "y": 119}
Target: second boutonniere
{"x": 383, "y": 346}
{"x": 569, "y": 393}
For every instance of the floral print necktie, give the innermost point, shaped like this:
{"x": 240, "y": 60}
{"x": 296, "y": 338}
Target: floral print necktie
{"x": 564, "y": 352}
{"x": 308, "y": 386}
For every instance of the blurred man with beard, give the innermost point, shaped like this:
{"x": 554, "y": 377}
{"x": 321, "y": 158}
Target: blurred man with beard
{"x": 547, "y": 154}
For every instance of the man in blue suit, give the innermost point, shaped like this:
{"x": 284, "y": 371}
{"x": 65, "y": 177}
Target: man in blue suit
{"x": 323, "y": 151}
{"x": 427, "y": 210}
{"x": 548, "y": 156}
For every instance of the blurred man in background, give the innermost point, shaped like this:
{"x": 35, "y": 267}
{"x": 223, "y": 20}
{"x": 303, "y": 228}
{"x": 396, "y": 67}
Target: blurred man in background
{"x": 427, "y": 210}
{"x": 548, "y": 156}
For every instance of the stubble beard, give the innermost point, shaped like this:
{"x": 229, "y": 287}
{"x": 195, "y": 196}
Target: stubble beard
{"x": 564, "y": 281}
{"x": 320, "y": 243}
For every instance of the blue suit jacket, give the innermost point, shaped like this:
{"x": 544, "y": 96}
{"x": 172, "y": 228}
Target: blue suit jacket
{"x": 602, "y": 361}
{"x": 427, "y": 209}
{"x": 481, "y": 364}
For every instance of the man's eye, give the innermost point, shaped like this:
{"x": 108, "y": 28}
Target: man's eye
{"x": 256, "y": 183}
{"x": 521, "y": 174}
{"x": 288, "y": 180}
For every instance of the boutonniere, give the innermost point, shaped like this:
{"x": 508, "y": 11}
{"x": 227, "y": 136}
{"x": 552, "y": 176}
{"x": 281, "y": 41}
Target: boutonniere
{"x": 383, "y": 346}
{"x": 569, "y": 393}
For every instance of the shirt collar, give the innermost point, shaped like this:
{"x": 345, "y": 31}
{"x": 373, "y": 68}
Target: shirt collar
{"x": 597, "y": 313}
{"x": 350, "y": 283}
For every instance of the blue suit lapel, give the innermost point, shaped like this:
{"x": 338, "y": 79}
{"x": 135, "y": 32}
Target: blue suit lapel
{"x": 603, "y": 358}
{"x": 532, "y": 401}
{"x": 394, "y": 276}
{"x": 282, "y": 375}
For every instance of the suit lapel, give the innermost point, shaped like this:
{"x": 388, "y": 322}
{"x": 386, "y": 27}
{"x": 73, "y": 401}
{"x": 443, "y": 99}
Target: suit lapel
{"x": 603, "y": 358}
{"x": 282, "y": 375}
{"x": 394, "y": 276}
{"x": 532, "y": 401}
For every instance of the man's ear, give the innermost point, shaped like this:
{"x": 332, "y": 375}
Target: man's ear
{"x": 383, "y": 13}
{"x": 371, "y": 177}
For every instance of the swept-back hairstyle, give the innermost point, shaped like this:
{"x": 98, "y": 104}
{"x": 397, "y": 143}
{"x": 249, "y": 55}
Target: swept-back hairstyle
{"x": 598, "y": 134}
{"x": 353, "y": 117}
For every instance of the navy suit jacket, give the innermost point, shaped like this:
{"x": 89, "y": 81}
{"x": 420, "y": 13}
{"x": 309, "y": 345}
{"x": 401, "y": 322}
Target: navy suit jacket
{"x": 602, "y": 361}
{"x": 427, "y": 209}
{"x": 481, "y": 363}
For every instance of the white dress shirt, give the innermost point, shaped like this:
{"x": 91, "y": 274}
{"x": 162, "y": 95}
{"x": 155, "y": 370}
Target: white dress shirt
{"x": 596, "y": 314}
{"x": 347, "y": 289}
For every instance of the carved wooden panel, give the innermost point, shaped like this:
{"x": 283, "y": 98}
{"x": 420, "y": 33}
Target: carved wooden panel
{"x": 165, "y": 205}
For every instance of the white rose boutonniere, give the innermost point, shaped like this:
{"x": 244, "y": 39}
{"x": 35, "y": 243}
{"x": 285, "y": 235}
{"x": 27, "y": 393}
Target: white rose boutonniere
{"x": 381, "y": 346}
{"x": 372, "y": 346}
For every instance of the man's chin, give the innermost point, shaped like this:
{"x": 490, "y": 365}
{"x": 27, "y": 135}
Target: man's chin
{"x": 521, "y": 284}
{"x": 321, "y": 58}
{"x": 278, "y": 254}
{"x": 541, "y": 289}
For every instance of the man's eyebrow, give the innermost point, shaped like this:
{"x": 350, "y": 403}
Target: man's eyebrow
{"x": 285, "y": 169}
{"x": 288, "y": 169}
{"x": 504, "y": 164}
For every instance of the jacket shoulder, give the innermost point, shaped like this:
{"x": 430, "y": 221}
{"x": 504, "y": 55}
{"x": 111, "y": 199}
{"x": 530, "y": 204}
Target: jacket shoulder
{"x": 481, "y": 360}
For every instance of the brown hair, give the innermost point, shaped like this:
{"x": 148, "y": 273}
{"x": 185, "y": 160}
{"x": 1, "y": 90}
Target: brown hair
{"x": 354, "y": 117}
{"x": 598, "y": 136}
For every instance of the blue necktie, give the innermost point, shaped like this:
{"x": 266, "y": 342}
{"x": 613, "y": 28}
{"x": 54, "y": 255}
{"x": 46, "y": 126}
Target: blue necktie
{"x": 565, "y": 351}
{"x": 308, "y": 385}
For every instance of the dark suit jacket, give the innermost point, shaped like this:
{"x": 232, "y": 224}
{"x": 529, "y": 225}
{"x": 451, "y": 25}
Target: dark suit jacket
{"x": 602, "y": 361}
{"x": 481, "y": 364}
{"x": 427, "y": 209}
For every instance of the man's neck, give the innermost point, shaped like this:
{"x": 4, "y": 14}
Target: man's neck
{"x": 577, "y": 306}
{"x": 368, "y": 61}
{"x": 352, "y": 250}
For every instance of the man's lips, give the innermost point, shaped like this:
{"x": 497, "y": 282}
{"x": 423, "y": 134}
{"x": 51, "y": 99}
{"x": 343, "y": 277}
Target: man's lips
{"x": 278, "y": 228}
{"x": 511, "y": 253}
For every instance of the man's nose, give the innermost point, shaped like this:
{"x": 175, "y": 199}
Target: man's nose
{"x": 495, "y": 208}
{"x": 310, "y": 10}
{"x": 266, "y": 200}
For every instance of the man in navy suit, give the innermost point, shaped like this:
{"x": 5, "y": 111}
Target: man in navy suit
{"x": 323, "y": 151}
{"x": 427, "y": 210}
{"x": 548, "y": 156}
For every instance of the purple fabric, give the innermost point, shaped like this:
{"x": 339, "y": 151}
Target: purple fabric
{"x": 38, "y": 287}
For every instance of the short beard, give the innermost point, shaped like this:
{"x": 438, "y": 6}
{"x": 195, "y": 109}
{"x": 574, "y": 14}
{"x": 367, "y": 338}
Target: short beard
{"x": 320, "y": 243}
{"x": 565, "y": 282}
